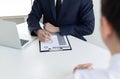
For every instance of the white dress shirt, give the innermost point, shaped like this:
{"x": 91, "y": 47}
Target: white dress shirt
{"x": 56, "y": 1}
{"x": 113, "y": 72}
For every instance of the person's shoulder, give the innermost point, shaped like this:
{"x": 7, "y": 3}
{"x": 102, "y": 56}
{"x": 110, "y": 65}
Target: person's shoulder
{"x": 86, "y": 1}
{"x": 40, "y": 1}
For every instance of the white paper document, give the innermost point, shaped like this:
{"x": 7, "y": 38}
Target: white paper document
{"x": 57, "y": 43}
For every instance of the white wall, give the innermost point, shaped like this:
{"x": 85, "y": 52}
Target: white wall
{"x": 95, "y": 38}
{"x": 15, "y": 10}
{"x": 14, "y": 7}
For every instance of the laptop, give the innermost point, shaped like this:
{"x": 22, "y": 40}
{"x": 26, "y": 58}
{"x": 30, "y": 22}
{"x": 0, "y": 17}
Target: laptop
{"x": 10, "y": 37}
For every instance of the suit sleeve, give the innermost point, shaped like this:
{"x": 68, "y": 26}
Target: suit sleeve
{"x": 34, "y": 17}
{"x": 85, "y": 25}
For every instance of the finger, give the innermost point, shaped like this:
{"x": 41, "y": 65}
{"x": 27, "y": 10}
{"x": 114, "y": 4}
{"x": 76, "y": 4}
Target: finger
{"x": 47, "y": 39}
{"x": 87, "y": 65}
{"x": 76, "y": 68}
{"x": 43, "y": 39}
{"x": 46, "y": 26}
{"x": 90, "y": 68}
{"x": 83, "y": 66}
{"x": 42, "y": 36}
{"x": 48, "y": 35}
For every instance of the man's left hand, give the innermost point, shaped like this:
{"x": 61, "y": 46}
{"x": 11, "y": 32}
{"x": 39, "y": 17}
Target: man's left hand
{"x": 51, "y": 28}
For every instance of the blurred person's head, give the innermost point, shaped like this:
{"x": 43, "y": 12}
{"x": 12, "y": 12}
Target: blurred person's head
{"x": 110, "y": 24}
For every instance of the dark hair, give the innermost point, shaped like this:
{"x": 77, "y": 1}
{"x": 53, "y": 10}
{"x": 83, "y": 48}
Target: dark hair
{"x": 111, "y": 10}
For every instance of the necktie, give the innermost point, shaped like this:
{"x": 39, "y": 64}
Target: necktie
{"x": 58, "y": 6}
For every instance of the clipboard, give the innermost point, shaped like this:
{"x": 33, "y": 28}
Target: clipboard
{"x": 57, "y": 44}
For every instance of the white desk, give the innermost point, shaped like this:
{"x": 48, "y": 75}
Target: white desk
{"x": 29, "y": 63}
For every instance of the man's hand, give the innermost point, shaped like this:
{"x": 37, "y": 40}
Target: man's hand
{"x": 43, "y": 35}
{"x": 51, "y": 28}
{"x": 83, "y": 66}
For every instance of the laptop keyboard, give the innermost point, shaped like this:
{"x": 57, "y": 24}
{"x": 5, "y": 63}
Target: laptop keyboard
{"x": 23, "y": 41}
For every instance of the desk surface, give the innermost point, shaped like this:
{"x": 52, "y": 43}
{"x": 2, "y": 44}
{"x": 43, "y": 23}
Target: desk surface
{"x": 29, "y": 63}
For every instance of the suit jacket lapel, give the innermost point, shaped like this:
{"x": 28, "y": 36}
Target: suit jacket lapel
{"x": 53, "y": 9}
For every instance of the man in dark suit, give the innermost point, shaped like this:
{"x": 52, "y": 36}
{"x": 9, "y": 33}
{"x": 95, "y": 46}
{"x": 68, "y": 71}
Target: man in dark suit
{"x": 68, "y": 17}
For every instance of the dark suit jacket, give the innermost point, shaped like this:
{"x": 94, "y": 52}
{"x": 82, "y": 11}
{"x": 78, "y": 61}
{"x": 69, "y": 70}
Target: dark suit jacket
{"x": 76, "y": 17}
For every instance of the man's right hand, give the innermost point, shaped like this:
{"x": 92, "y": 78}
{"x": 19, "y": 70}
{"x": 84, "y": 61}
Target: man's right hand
{"x": 43, "y": 35}
{"x": 87, "y": 66}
